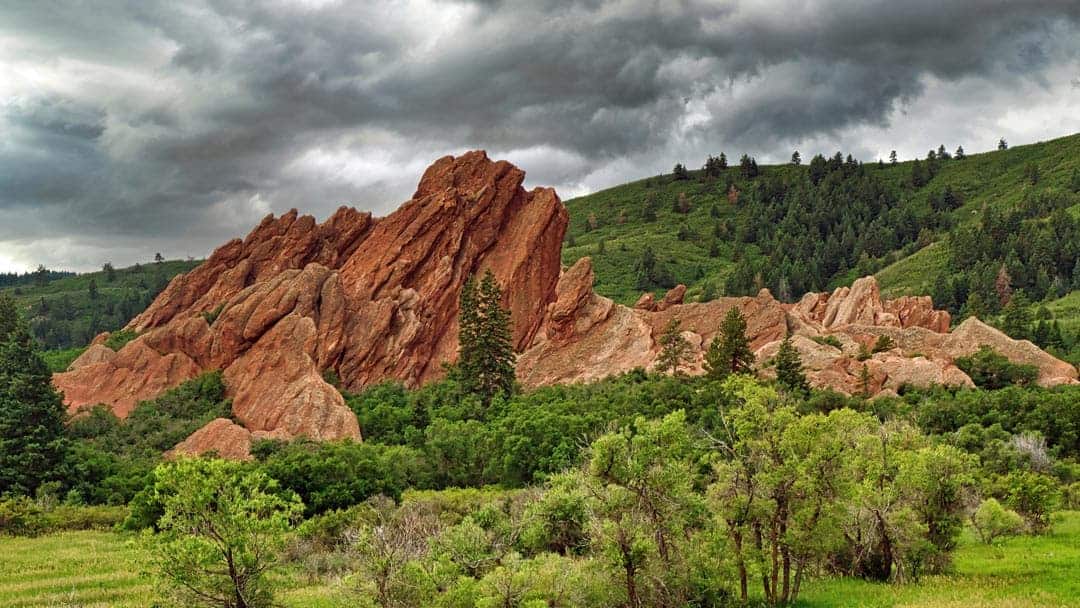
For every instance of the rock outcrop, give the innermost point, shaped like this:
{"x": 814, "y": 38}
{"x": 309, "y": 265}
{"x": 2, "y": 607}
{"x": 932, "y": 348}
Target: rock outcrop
{"x": 587, "y": 337}
{"x": 367, "y": 299}
{"x": 371, "y": 299}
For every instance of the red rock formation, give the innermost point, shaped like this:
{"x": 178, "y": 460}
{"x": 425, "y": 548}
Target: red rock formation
{"x": 376, "y": 299}
{"x": 370, "y": 299}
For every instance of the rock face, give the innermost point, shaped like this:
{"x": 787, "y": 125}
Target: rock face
{"x": 372, "y": 299}
{"x": 368, "y": 299}
{"x": 587, "y": 337}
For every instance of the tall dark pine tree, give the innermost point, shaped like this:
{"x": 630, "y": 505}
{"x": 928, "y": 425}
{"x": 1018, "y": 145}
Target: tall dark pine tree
{"x": 789, "y": 369}
{"x": 729, "y": 352}
{"x": 486, "y": 354}
{"x": 31, "y": 412}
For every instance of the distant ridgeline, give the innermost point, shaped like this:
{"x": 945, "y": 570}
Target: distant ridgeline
{"x": 67, "y": 310}
{"x": 973, "y": 231}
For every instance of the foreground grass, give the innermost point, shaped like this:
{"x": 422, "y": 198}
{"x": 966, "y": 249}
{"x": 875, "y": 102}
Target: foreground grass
{"x": 1025, "y": 572}
{"x": 101, "y": 569}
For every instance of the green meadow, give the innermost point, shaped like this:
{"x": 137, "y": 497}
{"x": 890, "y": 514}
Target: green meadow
{"x": 99, "y": 569}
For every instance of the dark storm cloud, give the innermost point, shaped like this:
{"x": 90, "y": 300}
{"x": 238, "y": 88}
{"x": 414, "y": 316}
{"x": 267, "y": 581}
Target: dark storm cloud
{"x": 171, "y": 126}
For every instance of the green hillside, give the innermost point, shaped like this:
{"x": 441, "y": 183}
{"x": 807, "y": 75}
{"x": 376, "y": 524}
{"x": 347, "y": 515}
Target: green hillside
{"x": 943, "y": 226}
{"x": 67, "y": 312}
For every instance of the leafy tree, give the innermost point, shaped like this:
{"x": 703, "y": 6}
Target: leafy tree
{"x": 789, "y": 369}
{"x": 729, "y": 352}
{"x": 646, "y": 510}
{"x": 32, "y": 415}
{"x": 1034, "y": 496}
{"x": 992, "y": 521}
{"x": 485, "y": 352}
{"x": 222, "y": 532}
{"x": 674, "y": 349}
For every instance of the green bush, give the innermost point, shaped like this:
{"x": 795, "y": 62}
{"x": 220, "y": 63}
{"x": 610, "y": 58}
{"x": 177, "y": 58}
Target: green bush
{"x": 990, "y": 369}
{"x": 832, "y": 341}
{"x": 119, "y": 338}
{"x": 25, "y": 517}
{"x": 992, "y": 521}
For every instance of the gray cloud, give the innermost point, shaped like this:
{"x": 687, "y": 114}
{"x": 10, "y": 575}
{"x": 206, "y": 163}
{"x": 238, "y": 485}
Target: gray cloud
{"x": 133, "y": 127}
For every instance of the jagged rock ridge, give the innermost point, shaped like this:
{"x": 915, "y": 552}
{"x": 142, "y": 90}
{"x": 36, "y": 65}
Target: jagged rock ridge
{"x": 372, "y": 299}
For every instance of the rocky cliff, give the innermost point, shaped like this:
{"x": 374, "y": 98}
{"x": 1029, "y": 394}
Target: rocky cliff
{"x": 371, "y": 299}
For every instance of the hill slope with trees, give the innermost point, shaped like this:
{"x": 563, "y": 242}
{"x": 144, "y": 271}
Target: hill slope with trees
{"x": 971, "y": 230}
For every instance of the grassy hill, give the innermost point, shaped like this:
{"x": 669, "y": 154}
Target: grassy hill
{"x": 894, "y": 220}
{"x": 67, "y": 312}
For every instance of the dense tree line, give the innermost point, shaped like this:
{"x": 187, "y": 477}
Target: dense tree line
{"x": 821, "y": 222}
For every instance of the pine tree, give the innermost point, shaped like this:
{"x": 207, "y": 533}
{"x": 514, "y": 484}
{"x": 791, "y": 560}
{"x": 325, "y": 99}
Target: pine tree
{"x": 485, "y": 352}
{"x": 1002, "y": 144}
{"x": 32, "y": 415}
{"x": 674, "y": 349}
{"x": 789, "y": 369}
{"x": 1016, "y": 321}
{"x": 892, "y": 158}
{"x": 960, "y": 155}
{"x": 795, "y": 158}
{"x": 680, "y": 172}
{"x": 729, "y": 352}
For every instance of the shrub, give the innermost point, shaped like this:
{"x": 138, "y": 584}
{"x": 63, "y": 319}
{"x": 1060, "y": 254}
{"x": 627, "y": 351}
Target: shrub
{"x": 883, "y": 344}
{"x": 991, "y": 370}
{"x": 992, "y": 521}
{"x": 118, "y": 339}
{"x": 832, "y": 341}
{"x": 1035, "y": 496}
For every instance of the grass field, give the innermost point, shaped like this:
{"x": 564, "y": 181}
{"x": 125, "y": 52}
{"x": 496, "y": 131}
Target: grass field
{"x": 102, "y": 569}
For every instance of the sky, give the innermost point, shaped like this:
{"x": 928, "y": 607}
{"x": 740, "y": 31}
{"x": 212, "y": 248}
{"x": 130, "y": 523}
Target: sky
{"x": 134, "y": 127}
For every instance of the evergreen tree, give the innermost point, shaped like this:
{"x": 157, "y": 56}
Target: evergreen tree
{"x": 729, "y": 352}
{"x": 1002, "y": 144}
{"x": 485, "y": 352}
{"x": 32, "y": 442}
{"x": 960, "y": 155}
{"x": 723, "y": 161}
{"x": 795, "y": 158}
{"x": 1017, "y": 316}
{"x": 892, "y": 158}
{"x": 789, "y": 369}
{"x": 680, "y": 172}
{"x": 674, "y": 349}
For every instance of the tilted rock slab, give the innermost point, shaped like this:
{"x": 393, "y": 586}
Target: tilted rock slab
{"x": 369, "y": 299}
